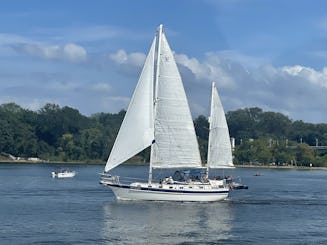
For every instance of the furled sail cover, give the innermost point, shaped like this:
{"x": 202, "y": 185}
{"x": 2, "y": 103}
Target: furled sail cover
{"x": 175, "y": 145}
{"x": 136, "y": 132}
{"x": 219, "y": 146}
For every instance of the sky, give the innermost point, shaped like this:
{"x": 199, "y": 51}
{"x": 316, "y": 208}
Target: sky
{"x": 88, "y": 55}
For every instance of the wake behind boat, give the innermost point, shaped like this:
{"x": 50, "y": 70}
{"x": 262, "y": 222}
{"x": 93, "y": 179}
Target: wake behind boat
{"x": 159, "y": 116}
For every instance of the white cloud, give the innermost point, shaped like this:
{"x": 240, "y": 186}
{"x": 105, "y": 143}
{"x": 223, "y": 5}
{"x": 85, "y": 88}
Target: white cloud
{"x": 309, "y": 74}
{"x": 69, "y": 52}
{"x": 299, "y": 91}
{"x": 296, "y": 90}
{"x": 74, "y": 53}
{"x": 101, "y": 87}
{"x": 134, "y": 59}
{"x": 212, "y": 69}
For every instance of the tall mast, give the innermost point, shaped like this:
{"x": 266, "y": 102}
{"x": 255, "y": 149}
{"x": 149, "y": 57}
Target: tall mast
{"x": 210, "y": 118}
{"x": 159, "y": 33}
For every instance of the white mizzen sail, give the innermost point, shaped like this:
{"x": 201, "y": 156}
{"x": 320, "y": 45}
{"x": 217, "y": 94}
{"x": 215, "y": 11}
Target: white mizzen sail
{"x": 136, "y": 132}
{"x": 219, "y": 145}
{"x": 175, "y": 144}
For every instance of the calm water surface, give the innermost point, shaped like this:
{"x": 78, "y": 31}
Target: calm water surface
{"x": 280, "y": 207}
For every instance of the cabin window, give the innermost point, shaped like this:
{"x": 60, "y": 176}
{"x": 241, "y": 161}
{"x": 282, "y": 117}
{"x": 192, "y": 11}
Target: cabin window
{"x": 170, "y": 187}
{"x": 181, "y": 187}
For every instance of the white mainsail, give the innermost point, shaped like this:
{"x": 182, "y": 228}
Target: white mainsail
{"x": 175, "y": 144}
{"x": 162, "y": 118}
{"x": 136, "y": 132}
{"x": 219, "y": 145}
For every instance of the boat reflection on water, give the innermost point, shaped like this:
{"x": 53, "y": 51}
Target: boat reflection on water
{"x": 166, "y": 223}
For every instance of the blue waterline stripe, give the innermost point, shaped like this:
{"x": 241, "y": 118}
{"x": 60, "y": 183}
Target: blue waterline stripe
{"x": 166, "y": 190}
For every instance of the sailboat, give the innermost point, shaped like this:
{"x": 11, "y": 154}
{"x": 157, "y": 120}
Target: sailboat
{"x": 159, "y": 117}
{"x": 219, "y": 144}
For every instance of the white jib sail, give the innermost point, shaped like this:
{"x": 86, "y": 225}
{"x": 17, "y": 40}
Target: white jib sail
{"x": 137, "y": 131}
{"x": 175, "y": 145}
{"x": 219, "y": 145}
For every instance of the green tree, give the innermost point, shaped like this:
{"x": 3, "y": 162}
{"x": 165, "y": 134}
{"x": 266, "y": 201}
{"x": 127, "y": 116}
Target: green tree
{"x": 242, "y": 123}
{"x": 274, "y": 124}
{"x": 304, "y": 155}
{"x": 201, "y": 125}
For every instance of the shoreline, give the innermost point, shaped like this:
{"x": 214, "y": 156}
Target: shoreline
{"x": 9, "y": 161}
{"x": 280, "y": 167}
{"x": 50, "y": 162}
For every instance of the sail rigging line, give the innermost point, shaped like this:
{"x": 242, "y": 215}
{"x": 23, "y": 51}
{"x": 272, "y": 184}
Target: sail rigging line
{"x": 155, "y": 99}
{"x": 210, "y": 128}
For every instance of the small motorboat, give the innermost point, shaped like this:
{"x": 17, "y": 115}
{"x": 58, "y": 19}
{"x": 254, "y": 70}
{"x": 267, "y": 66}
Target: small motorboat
{"x": 235, "y": 183}
{"x": 237, "y": 186}
{"x": 63, "y": 174}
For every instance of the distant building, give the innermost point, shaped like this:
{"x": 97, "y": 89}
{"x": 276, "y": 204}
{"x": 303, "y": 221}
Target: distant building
{"x": 34, "y": 159}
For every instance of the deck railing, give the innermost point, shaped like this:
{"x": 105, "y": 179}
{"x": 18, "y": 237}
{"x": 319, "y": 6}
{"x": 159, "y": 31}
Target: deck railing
{"x": 120, "y": 180}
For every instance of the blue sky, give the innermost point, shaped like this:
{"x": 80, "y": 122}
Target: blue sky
{"x": 88, "y": 54}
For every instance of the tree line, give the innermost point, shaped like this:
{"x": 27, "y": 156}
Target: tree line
{"x": 57, "y": 133}
{"x": 63, "y": 134}
{"x": 270, "y": 138}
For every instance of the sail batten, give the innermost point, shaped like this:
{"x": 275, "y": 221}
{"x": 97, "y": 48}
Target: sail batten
{"x": 219, "y": 146}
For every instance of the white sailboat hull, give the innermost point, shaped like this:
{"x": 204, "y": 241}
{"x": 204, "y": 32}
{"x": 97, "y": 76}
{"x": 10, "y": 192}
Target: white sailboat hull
{"x": 147, "y": 195}
{"x": 193, "y": 193}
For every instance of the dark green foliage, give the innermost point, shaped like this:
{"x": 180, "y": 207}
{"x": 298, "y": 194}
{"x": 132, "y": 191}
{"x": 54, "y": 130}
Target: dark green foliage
{"x": 17, "y": 134}
{"x": 63, "y": 134}
{"x": 202, "y": 131}
{"x": 55, "y": 133}
{"x": 243, "y": 123}
{"x": 270, "y": 137}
